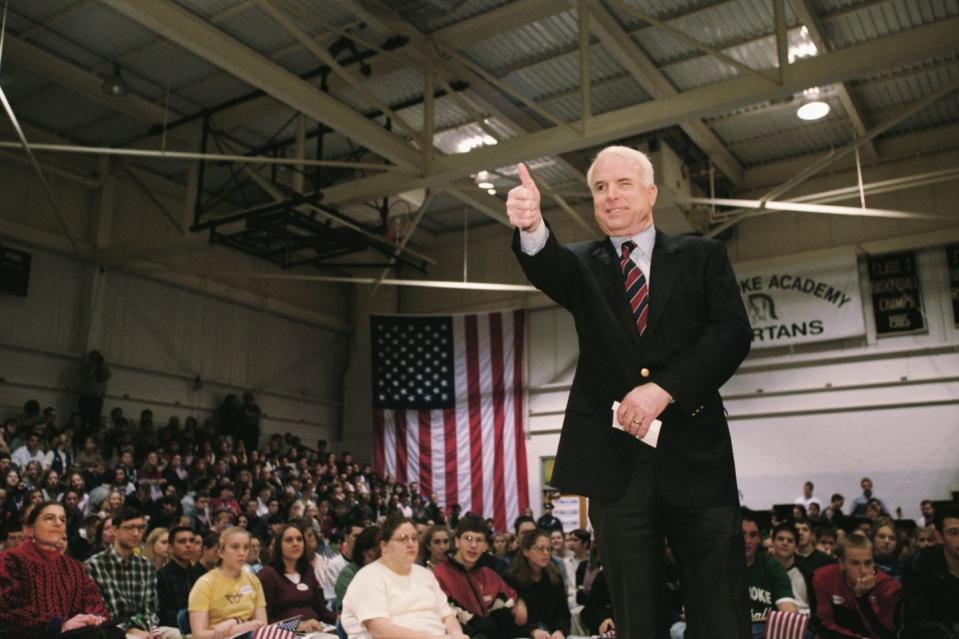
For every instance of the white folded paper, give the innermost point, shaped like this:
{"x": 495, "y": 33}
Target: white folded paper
{"x": 651, "y": 436}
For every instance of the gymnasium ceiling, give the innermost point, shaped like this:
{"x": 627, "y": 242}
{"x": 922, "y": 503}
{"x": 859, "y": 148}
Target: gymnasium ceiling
{"x": 492, "y": 82}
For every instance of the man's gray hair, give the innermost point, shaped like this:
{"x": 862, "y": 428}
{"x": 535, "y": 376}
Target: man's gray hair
{"x": 640, "y": 158}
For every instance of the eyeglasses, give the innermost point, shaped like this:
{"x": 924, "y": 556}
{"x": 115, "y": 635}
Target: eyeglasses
{"x": 471, "y": 540}
{"x": 405, "y": 539}
{"x": 540, "y": 548}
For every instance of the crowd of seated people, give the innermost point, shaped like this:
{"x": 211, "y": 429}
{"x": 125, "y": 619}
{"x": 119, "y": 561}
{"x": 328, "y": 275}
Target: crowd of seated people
{"x": 190, "y": 528}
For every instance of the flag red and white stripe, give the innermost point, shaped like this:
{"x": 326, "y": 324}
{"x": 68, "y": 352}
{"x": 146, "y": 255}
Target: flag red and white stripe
{"x": 786, "y": 625}
{"x": 472, "y": 451}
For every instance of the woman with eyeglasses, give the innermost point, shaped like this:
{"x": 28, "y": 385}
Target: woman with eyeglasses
{"x": 289, "y": 585}
{"x": 435, "y": 547}
{"x": 395, "y": 597}
{"x": 540, "y": 584}
{"x": 42, "y": 591}
{"x": 227, "y": 600}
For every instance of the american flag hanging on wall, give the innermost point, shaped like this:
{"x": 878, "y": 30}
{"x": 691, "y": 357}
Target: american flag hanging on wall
{"x": 449, "y": 411}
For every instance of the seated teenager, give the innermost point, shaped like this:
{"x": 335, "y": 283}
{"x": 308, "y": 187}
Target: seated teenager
{"x": 769, "y": 585}
{"x": 885, "y": 545}
{"x": 227, "y": 600}
{"x": 853, "y": 598}
{"x": 931, "y": 584}
{"x": 39, "y": 584}
{"x": 539, "y": 584}
{"x": 394, "y": 597}
{"x": 175, "y": 580}
{"x": 784, "y": 551}
{"x": 435, "y": 546}
{"x": 366, "y": 550}
{"x": 289, "y": 585}
{"x": 485, "y": 604}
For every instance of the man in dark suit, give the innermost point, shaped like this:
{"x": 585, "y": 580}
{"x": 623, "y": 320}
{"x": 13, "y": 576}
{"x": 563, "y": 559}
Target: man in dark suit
{"x": 661, "y": 327}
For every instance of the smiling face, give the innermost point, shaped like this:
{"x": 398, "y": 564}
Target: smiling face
{"x": 622, "y": 202}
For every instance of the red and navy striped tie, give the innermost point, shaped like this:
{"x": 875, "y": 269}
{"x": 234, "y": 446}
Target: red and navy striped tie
{"x": 637, "y": 292}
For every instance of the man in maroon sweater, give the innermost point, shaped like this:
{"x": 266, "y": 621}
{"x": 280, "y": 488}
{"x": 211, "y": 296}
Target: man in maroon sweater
{"x": 483, "y": 602}
{"x": 853, "y": 599}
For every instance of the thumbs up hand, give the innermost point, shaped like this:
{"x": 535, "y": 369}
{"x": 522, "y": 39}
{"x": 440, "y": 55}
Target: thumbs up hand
{"x": 522, "y": 202}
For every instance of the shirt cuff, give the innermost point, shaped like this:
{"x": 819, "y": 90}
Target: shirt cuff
{"x": 532, "y": 243}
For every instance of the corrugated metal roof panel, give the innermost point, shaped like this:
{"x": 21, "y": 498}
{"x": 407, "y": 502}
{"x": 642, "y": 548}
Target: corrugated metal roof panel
{"x": 816, "y": 137}
{"x": 208, "y": 8}
{"x": 447, "y": 113}
{"x": 215, "y": 89}
{"x": 536, "y": 41}
{"x": 904, "y": 86}
{"x": 941, "y": 113}
{"x": 546, "y": 78}
{"x": 60, "y": 110}
{"x": 41, "y": 11}
{"x": 771, "y": 120}
{"x": 392, "y": 88}
{"x": 114, "y": 129}
{"x": 257, "y": 30}
{"x": 327, "y": 13}
{"x": 717, "y": 25}
{"x": 428, "y": 16}
{"x": 169, "y": 65}
{"x": 90, "y": 24}
{"x": 850, "y": 25}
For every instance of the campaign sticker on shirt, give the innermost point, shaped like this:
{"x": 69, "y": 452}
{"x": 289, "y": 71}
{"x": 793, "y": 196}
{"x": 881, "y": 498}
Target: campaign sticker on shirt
{"x": 836, "y": 599}
{"x": 302, "y": 587}
{"x": 246, "y": 590}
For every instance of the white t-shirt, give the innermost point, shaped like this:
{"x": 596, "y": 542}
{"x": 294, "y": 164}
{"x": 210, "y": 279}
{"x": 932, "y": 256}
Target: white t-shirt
{"x": 414, "y": 601}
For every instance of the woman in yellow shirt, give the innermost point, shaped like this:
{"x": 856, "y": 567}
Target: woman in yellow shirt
{"x": 228, "y": 600}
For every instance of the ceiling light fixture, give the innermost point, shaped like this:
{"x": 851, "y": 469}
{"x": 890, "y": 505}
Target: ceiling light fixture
{"x": 115, "y": 85}
{"x": 484, "y": 180}
{"x": 813, "y": 107}
{"x": 815, "y": 110}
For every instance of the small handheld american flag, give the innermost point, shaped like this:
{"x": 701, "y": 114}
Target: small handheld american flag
{"x": 285, "y": 629}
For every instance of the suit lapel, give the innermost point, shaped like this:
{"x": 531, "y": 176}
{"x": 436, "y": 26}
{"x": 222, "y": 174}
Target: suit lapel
{"x": 665, "y": 267}
{"x": 610, "y": 280}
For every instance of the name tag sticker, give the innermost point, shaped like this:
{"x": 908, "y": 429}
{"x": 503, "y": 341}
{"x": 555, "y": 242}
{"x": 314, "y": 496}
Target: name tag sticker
{"x": 246, "y": 590}
{"x": 302, "y": 587}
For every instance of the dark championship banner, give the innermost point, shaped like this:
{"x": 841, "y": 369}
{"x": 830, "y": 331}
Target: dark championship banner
{"x": 896, "y": 294}
{"x": 952, "y": 259}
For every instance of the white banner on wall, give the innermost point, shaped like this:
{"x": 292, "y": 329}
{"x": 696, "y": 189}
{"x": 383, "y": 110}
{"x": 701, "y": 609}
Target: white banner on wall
{"x": 802, "y": 302}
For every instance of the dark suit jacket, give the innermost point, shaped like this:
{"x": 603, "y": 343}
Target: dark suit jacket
{"x": 697, "y": 335}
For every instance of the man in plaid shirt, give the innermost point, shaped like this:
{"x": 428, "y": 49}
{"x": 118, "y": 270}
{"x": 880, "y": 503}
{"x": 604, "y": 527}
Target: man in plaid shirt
{"x": 128, "y": 581}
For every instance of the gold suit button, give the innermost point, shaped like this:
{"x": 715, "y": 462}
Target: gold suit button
{"x": 644, "y": 372}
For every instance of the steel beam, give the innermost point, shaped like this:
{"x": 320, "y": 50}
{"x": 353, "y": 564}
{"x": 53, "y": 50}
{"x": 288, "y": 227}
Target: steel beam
{"x": 196, "y": 35}
{"x": 856, "y": 61}
{"x": 807, "y": 15}
{"x": 625, "y": 50}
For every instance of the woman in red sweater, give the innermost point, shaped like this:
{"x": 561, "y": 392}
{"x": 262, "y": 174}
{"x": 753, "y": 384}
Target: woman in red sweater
{"x": 43, "y": 592}
{"x": 290, "y": 586}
